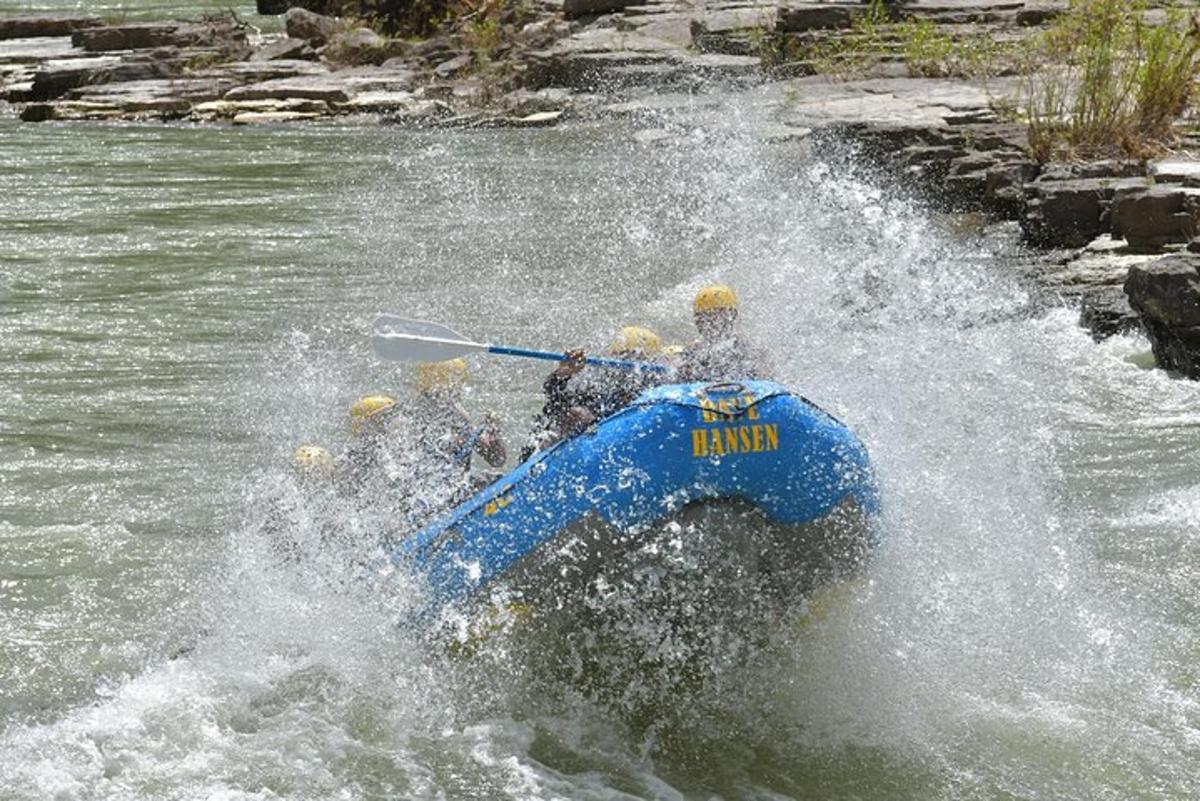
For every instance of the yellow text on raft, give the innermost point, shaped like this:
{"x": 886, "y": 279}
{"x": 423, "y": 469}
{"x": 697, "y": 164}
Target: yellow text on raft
{"x": 727, "y": 409}
{"x": 725, "y": 439}
{"x": 722, "y": 440}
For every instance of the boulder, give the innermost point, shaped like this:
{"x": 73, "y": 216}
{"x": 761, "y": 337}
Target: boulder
{"x": 1065, "y": 214}
{"x": 1149, "y": 217}
{"x": 357, "y": 47}
{"x": 28, "y": 26}
{"x": 315, "y": 28}
{"x": 1105, "y": 312}
{"x": 1166, "y": 295}
{"x": 281, "y": 6}
{"x": 964, "y": 189}
{"x": 37, "y": 112}
{"x": 1004, "y": 187}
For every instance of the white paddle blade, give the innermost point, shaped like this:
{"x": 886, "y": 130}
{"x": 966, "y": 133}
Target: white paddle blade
{"x": 395, "y": 324}
{"x": 396, "y": 339}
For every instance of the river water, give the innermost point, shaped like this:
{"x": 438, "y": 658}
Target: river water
{"x": 182, "y": 306}
{"x": 121, "y": 11}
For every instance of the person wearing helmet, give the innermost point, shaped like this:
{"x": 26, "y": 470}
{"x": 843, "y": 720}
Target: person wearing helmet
{"x": 362, "y": 463}
{"x": 312, "y": 463}
{"x": 287, "y": 522}
{"x": 445, "y": 430}
{"x": 431, "y": 446}
{"x": 578, "y": 395}
{"x": 720, "y": 354}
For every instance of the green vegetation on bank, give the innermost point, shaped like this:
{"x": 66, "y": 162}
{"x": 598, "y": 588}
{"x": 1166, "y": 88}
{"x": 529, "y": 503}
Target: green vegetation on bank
{"x": 1114, "y": 80}
{"x": 1107, "y": 78}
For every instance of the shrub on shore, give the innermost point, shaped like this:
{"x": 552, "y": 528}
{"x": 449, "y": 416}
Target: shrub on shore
{"x": 1114, "y": 84}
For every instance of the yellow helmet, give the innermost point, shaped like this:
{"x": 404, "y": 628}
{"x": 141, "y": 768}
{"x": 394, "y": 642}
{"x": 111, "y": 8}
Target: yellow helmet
{"x": 716, "y": 297}
{"x": 451, "y": 374}
{"x": 671, "y": 351}
{"x": 312, "y": 460}
{"x": 366, "y": 408}
{"x": 634, "y": 338}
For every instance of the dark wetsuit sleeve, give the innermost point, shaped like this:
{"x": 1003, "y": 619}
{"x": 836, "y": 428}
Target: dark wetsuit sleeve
{"x": 558, "y": 398}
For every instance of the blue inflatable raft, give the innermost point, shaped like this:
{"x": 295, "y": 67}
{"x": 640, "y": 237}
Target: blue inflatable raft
{"x": 798, "y": 482}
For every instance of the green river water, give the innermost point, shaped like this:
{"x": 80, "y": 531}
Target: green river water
{"x": 182, "y": 306}
{"x": 118, "y": 11}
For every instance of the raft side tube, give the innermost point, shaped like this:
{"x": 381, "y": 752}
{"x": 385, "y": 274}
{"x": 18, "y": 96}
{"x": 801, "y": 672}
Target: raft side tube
{"x": 675, "y": 446}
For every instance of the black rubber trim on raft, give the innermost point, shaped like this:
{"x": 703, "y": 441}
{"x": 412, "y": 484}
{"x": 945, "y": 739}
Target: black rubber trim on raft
{"x": 727, "y": 389}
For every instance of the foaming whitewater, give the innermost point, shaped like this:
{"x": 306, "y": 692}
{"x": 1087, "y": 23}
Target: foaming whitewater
{"x": 993, "y": 646}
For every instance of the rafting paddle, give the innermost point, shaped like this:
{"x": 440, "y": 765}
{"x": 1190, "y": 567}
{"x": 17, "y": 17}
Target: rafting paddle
{"x": 397, "y": 339}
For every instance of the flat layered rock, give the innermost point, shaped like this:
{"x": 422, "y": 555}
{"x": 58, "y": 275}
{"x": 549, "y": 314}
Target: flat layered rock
{"x": 70, "y": 110}
{"x": 383, "y": 78}
{"x": 285, "y": 49}
{"x": 804, "y": 17}
{"x": 916, "y": 110}
{"x": 154, "y": 91}
{"x": 540, "y": 119}
{"x": 25, "y": 26}
{"x": 20, "y": 92}
{"x": 607, "y": 40}
{"x": 963, "y": 11}
{"x": 720, "y": 65}
{"x": 255, "y": 71}
{"x": 382, "y": 102}
{"x": 337, "y": 87}
{"x": 581, "y": 8}
{"x": 227, "y": 109}
{"x": 32, "y": 51}
{"x": 267, "y": 117}
{"x": 1039, "y": 12}
{"x": 1176, "y": 172}
{"x": 56, "y": 79}
{"x": 604, "y": 58}
{"x": 283, "y": 88}
{"x": 761, "y": 18}
{"x": 602, "y": 72}
{"x": 125, "y": 37}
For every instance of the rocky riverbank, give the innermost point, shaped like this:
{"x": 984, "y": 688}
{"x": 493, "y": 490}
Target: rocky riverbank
{"x": 1116, "y": 237}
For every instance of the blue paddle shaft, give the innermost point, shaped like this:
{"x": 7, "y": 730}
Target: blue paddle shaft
{"x": 620, "y": 364}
